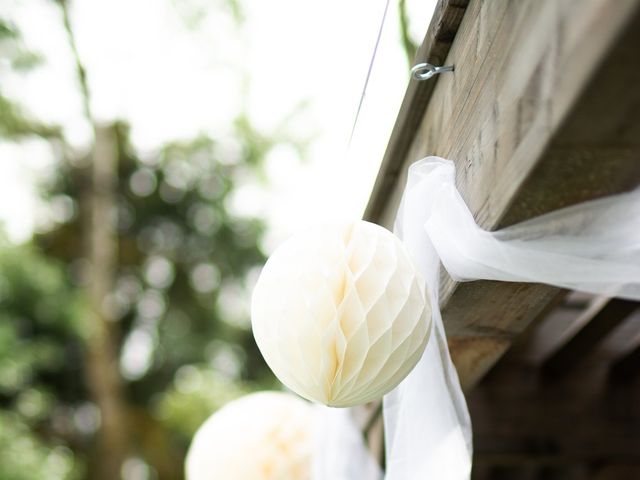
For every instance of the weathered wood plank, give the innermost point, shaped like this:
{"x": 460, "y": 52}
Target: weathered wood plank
{"x": 627, "y": 367}
{"x": 593, "y": 325}
{"x": 434, "y": 49}
{"x": 535, "y": 119}
{"x": 522, "y": 421}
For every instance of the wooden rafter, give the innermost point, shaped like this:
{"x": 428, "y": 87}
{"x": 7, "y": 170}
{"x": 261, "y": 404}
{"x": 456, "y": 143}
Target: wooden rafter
{"x": 555, "y": 432}
{"x": 627, "y": 366}
{"x": 593, "y": 325}
{"x": 541, "y": 113}
{"x": 434, "y": 49}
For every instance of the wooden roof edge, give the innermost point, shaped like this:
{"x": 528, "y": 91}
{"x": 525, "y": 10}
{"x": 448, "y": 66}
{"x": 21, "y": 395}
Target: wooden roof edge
{"x": 435, "y": 47}
{"x": 560, "y": 128}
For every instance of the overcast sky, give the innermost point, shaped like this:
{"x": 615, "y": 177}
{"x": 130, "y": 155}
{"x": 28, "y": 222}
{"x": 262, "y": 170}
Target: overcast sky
{"x": 170, "y": 82}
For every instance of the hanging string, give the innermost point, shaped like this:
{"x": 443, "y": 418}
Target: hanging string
{"x": 366, "y": 81}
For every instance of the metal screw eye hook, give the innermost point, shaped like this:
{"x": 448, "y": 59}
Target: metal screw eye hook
{"x": 424, "y": 71}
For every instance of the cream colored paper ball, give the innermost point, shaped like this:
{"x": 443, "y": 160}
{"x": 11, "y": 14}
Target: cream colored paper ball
{"x": 340, "y": 313}
{"x": 262, "y": 436}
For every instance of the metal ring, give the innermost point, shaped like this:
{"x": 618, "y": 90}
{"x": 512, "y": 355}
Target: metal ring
{"x": 424, "y": 71}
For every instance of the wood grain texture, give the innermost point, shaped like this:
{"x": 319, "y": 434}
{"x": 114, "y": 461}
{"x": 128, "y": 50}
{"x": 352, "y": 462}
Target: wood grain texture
{"x": 555, "y": 430}
{"x": 627, "y": 367}
{"x": 434, "y": 49}
{"x": 580, "y": 425}
{"x": 542, "y": 112}
{"x": 595, "y": 324}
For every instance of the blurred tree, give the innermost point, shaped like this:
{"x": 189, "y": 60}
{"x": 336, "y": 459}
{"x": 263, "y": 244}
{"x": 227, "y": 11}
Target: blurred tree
{"x": 154, "y": 273}
{"x": 99, "y": 243}
{"x": 182, "y": 279}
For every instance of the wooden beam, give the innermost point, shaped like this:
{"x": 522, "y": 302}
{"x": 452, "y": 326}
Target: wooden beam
{"x": 593, "y": 325}
{"x": 434, "y": 49}
{"x": 618, "y": 472}
{"x": 522, "y": 422}
{"x": 534, "y": 119}
{"x": 627, "y": 366}
{"x": 601, "y": 318}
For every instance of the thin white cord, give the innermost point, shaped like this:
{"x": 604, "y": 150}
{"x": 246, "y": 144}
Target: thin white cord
{"x": 366, "y": 81}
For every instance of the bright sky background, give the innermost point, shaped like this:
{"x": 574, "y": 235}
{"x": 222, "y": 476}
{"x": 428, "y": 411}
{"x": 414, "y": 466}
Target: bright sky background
{"x": 170, "y": 82}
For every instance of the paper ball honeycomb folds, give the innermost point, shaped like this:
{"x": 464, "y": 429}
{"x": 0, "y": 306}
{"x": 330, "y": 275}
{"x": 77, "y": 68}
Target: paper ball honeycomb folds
{"x": 262, "y": 436}
{"x": 340, "y": 313}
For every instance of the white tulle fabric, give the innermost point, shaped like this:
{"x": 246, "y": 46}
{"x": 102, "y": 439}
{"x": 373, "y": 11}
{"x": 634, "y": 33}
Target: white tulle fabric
{"x": 340, "y": 313}
{"x": 340, "y": 452}
{"x": 592, "y": 247}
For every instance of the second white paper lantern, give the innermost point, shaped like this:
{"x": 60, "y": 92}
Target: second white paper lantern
{"x": 340, "y": 313}
{"x": 261, "y": 436}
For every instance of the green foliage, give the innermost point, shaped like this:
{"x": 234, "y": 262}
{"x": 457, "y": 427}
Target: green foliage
{"x": 410, "y": 47}
{"x": 14, "y": 122}
{"x": 193, "y": 12}
{"x": 40, "y": 314}
{"x": 7, "y": 30}
{"x": 24, "y": 456}
{"x": 184, "y": 257}
{"x": 196, "y": 393}
{"x": 14, "y": 50}
{"x": 183, "y": 279}
{"x": 35, "y": 293}
{"x": 22, "y": 359}
{"x": 181, "y": 294}
{"x": 38, "y": 319}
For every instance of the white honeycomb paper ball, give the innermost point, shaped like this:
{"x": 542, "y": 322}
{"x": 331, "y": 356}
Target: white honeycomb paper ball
{"x": 262, "y": 436}
{"x": 340, "y": 313}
